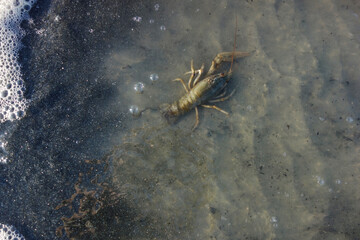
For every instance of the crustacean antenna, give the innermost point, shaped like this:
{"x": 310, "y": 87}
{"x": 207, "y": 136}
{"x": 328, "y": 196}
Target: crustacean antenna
{"x": 232, "y": 57}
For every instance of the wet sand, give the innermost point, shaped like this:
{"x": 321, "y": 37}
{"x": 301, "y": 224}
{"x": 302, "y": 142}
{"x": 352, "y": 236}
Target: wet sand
{"x": 284, "y": 164}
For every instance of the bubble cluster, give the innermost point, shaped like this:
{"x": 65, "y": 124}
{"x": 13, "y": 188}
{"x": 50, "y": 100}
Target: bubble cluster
{"x": 139, "y": 87}
{"x": 12, "y": 102}
{"x": 9, "y": 232}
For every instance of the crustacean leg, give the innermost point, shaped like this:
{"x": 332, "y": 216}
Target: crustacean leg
{"x": 222, "y": 94}
{"x": 215, "y": 107}
{"x": 197, "y": 118}
{"x": 225, "y": 57}
{"x": 200, "y": 72}
{"x": 183, "y": 83}
{"x": 192, "y": 73}
{"x": 221, "y": 97}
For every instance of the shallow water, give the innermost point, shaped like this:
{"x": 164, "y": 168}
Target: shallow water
{"x": 283, "y": 165}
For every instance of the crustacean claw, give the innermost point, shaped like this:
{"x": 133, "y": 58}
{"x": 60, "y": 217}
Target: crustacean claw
{"x": 225, "y": 57}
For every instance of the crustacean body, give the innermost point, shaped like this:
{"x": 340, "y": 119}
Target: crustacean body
{"x": 203, "y": 89}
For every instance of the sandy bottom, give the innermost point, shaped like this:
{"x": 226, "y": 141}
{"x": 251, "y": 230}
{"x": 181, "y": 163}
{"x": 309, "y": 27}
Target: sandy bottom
{"x": 285, "y": 163}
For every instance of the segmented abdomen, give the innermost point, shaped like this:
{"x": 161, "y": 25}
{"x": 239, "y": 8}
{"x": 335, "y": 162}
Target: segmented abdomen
{"x": 187, "y": 102}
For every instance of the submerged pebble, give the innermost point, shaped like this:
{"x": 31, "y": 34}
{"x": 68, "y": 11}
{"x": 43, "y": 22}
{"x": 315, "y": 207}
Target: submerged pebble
{"x": 139, "y": 87}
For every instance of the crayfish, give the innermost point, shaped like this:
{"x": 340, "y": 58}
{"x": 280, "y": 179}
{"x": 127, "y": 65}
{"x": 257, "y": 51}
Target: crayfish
{"x": 204, "y": 89}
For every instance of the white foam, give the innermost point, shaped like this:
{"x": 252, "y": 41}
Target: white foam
{"x": 9, "y": 232}
{"x": 12, "y": 102}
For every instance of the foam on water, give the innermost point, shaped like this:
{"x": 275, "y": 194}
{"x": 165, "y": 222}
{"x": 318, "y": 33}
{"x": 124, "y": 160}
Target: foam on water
{"x": 12, "y": 102}
{"x": 9, "y": 232}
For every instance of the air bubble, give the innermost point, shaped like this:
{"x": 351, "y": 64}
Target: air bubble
{"x": 274, "y": 221}
{"x": 162, "y": 28}
{"x": 139, "y": 87}
{"x": 137, "y": 19}
{"x": 349, "y": 119}
{"x": 320, "y": 180}
{"x": 4, "y": 93}
{"x": 154, "y": 77}
{"x": 134, "y": 110}
{"x": 156, "y": 7}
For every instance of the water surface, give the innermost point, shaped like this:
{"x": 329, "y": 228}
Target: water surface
{"x": 283, "y": 165}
